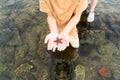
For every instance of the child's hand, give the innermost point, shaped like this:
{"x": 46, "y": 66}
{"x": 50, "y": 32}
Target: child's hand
{"x": 50, "y": 38}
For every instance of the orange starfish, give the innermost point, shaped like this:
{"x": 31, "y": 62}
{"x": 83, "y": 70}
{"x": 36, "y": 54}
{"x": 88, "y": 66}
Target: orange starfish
{"x": 58, "y": 41}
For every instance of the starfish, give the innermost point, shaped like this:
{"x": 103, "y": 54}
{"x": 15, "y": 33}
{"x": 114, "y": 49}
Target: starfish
{"x": 58, "y": 41}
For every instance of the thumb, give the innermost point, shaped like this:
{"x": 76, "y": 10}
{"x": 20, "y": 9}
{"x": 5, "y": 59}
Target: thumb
{"x": 67, "y": 40}
{"x": 46, "y": 39}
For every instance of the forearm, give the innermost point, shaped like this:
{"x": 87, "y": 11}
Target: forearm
{"x": 72, "y": 23}
{"x": 52, "y": 24}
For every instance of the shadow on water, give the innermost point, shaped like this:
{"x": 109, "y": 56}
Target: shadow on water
{"x": 83, "y": 29}
{"x": 62, "y": 67}
{"x": 83, "y": 25}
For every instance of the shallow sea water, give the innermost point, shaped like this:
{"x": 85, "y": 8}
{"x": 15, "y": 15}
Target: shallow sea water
{"x": 23, "y": 55}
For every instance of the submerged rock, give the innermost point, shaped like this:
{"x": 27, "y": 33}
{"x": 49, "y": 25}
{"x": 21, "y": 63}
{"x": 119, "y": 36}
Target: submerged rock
{"x": 79, "y": 72}
{"x": 23, "y": 68}
{"x": 103, "y": 71}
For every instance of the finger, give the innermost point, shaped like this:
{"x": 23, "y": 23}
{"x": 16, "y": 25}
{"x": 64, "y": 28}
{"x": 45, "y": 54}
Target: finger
{"x": 63, "y": 47}
{"x": 59, "y": 47}
{"x": 67, "y": 41}
{"x": 46, "y": 39}
{"x": 50, "y": 46}
{"x": 54, "y": 47}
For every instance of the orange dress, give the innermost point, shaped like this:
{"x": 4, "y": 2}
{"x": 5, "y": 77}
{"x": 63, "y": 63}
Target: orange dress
{"x": 63, "y": 10}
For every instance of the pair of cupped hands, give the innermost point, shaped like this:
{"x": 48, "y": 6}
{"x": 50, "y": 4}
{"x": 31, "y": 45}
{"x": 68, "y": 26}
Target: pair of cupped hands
{"x": 57, "y": 41}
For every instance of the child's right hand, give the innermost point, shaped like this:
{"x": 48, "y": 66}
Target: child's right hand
{"x": 50, "y": 38}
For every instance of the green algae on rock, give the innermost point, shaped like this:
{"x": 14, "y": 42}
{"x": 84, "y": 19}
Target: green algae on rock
{"x": 79, "y": 72}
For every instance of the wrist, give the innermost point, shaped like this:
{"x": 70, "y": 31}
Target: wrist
{"x": 65, "y": 31}
{"x": 54, "y": 33}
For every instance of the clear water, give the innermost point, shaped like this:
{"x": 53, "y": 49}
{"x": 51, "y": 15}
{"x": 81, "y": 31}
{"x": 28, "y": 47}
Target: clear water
{"x": 23, "y": 55}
